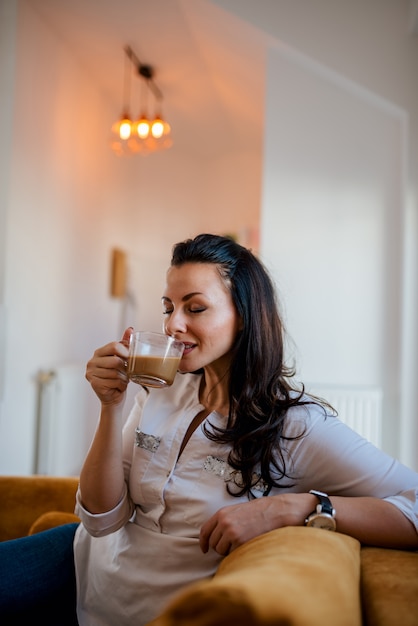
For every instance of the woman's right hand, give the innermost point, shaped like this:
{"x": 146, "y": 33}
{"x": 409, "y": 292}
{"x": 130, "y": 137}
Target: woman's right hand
{"x": 106, "y": 371}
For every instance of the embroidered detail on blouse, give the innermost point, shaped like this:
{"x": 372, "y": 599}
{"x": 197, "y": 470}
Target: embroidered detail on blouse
{"x": 220, "y": 468}
{"x": 148, "y": 442}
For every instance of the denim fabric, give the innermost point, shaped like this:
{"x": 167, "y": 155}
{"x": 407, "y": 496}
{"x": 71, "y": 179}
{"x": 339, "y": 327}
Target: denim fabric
{"x": 37, "y": 578}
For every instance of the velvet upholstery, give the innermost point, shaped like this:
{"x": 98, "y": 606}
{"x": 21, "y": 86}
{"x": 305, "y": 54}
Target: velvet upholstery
{"x": 52, "y": 519}
{"x": 389, "y": 587}
{"x": 23, "y": 499}
{"x": 292, "y": 576}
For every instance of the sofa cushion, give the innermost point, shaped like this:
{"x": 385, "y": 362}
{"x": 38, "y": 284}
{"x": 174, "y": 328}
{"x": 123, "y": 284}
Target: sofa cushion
{"x": 292, "y": 576}
{"x": 389, "y": 587}
{"x": 51, "y": 520}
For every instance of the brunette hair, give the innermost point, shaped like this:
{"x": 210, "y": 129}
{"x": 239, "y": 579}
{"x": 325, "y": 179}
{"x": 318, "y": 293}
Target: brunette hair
{"x": 260, "y": 391}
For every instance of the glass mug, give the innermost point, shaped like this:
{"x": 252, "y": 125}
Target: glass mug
{"x": 153, "y": 359}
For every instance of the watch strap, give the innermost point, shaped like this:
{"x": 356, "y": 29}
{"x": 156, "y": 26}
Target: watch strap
{"x": 324, "y": 505}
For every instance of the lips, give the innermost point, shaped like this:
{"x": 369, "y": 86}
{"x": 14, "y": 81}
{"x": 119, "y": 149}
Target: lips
{"x": 188, "y": 347}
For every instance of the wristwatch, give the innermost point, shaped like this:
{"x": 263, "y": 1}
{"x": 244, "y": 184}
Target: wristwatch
{"x": 324, "y": 514}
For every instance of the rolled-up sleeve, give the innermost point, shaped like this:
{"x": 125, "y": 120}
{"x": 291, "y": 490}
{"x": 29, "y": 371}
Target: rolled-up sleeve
{"x": 407, "y": 502}
{"x": 101, "y": 524}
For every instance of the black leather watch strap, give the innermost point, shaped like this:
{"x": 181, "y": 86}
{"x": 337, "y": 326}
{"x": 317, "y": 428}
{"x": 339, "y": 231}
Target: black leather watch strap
{"x": 325, "y": 502}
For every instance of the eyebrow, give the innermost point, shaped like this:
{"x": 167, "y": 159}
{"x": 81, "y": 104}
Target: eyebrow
{"x": 184, "y": 298}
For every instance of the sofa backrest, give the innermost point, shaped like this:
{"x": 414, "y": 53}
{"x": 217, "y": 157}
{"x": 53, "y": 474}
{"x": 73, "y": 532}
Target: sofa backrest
{"x": 23, "y": 499}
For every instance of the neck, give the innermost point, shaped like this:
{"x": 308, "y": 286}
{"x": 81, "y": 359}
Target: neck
{"x": 214, "y": 393}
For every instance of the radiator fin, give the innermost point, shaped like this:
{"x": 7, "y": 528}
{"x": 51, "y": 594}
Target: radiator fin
{"x": 358, "y": 407}
{"x": 62, "y": 422}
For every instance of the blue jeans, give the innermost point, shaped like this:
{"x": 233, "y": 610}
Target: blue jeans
{"x": 37, "y": 579}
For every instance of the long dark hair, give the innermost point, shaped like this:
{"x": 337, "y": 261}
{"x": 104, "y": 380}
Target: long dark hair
{"x": 260, "y": 391}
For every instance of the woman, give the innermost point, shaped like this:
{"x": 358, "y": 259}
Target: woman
{"x": 231, "y": 450}
{"x": 164, "y": 497}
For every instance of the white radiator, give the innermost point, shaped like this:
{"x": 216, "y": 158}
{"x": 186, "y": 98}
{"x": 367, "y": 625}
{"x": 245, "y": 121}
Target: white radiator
{"x": 63, "y": 431}
{"x": 358, "y": 407}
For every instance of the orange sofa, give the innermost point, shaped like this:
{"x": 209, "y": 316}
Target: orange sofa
{"x": 290, "y": 576}
{"x": 29, "y": 504}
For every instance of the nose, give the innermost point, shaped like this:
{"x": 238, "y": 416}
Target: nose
{"x": 175, "y": 324}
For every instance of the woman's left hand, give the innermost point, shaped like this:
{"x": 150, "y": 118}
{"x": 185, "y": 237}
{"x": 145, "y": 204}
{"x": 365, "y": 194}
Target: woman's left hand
{"x": 233, "y": 525}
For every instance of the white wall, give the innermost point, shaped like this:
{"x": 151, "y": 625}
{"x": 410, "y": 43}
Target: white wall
{"x": 68, "y": 202}
{"x": 8, "y": 17}
{"x": 60, "y": 224}
{"x": 368, "y": 42}
{"x": 211, "y": 196}
{"x": 332, "y": 228}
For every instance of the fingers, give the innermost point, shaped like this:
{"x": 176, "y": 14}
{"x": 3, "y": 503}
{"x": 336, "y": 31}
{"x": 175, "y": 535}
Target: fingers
{"x": 205, "y": 534}
{"x": 233, "y": 525}
{"x": 219, "y": 534}
{"x": 106, "y": 371}
{"x": 218, "y": 541}
{"x": 127, "y": 335}
{"x": 107, "y": 377}
{"x": 106, "y": 368}
{"x": 113, "y": 355}
{"x": 107, "y": 361}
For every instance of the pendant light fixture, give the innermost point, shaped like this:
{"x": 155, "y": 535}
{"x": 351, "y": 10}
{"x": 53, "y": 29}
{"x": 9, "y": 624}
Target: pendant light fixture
{"x": 147, "y": 133}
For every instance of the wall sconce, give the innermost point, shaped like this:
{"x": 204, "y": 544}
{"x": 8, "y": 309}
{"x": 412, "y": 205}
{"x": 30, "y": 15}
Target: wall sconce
{"x": 145, "y": 134}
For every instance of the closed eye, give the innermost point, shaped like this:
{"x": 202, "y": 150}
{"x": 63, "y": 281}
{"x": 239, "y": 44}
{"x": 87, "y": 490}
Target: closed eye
{"x": 200, "y": 310}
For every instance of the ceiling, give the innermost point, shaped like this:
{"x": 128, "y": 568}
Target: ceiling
{"x": 209, "y": 65}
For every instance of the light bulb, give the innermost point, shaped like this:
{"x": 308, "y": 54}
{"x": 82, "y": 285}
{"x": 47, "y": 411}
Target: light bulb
{"x": 143, "y": 128}
{"x": 125, "y": 129}
{"x": 157, "y": 128}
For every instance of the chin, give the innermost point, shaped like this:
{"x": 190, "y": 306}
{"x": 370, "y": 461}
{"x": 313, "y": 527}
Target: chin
{"x": 186, "y": 370}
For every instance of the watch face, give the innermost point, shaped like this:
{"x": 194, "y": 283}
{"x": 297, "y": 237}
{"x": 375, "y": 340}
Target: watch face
{"x": 324, "y": 521}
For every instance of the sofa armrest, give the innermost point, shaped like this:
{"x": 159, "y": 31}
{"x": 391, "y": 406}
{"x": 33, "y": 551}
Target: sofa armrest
{"x": 295, "y": 576}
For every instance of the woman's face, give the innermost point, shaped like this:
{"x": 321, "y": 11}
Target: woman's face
{"x": 199, "y": 311}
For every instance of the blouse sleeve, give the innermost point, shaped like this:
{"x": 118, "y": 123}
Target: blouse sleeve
{"x": 101, "y": 524}
{"x": 331, "y": 457}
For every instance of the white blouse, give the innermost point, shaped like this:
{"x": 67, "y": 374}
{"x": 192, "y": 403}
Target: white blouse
{"x": 131, "y": 560}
